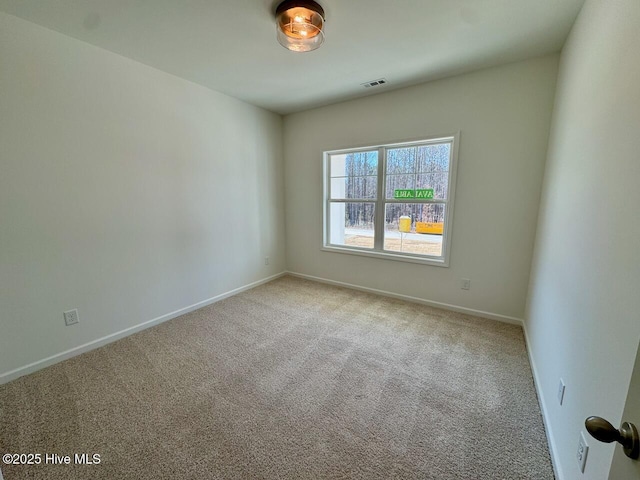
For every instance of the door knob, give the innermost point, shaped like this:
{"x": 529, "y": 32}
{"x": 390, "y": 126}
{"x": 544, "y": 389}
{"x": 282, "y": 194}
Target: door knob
{"x": 627, "y": 436}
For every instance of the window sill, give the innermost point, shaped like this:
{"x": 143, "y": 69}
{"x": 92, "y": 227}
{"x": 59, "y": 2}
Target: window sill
{"x": 434, "y": 261}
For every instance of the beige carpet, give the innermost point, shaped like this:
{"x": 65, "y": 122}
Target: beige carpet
{"x": 291, "y": 380}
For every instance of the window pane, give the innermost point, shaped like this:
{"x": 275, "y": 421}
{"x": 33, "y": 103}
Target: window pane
{"x": 351, "y": 223}
{"x": 421, "y": 234}
{"x": 401, "y": 160}
{"x": 354, "y": 175}
{"x": 400, "y": 182}
{"x": 419, "y": 167}
{"x": 434, "y": 158}
{"x": 354, "y": 164}
{"x": 354, "y": 187}
{"x": 439, "y": 182}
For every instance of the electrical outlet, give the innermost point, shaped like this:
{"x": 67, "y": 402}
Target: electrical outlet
{"x": 71, "y": 317}
{"x": 465, "y": 284}
{"x": 561, "y": 391}
{"x": 583, "y": 450}
{"x": 266, "y": 260}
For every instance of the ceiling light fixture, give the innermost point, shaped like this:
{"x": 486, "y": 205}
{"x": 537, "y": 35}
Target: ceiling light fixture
{"x": 299, "y": 25}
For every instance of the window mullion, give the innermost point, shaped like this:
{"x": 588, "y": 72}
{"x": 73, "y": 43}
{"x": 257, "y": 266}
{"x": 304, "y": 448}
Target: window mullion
{"x": 378, "y": 238}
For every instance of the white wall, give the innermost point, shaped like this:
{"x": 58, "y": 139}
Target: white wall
{"x": 583, "y": 319}
{"x": 125, "y": 192}
{"x": 503, "y": 115}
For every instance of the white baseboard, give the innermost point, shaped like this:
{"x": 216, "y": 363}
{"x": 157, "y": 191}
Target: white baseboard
{"x": 59, "y": 357}
{"x": 431, "y": 303}
{"x": 557, "y": 470}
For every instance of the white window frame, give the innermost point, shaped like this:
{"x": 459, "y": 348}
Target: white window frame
{"x": 378, "y": 249}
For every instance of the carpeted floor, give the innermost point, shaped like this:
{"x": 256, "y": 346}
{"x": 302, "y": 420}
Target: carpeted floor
{"x": 290, "y": 380}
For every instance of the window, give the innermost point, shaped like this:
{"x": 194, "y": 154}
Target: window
{"x": 393, "y": 201}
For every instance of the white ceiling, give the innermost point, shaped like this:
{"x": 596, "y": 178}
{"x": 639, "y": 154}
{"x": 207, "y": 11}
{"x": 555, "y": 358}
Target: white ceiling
{"x": 230, "y": 46}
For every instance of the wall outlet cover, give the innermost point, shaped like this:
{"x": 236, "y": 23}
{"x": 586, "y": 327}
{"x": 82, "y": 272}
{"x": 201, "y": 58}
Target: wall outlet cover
{"x": 71, "y": 317}
{"x": 583, "y": 450}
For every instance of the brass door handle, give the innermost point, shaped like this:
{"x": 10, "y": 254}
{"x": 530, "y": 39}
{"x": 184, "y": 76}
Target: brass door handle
{"x": 627, "y": 436}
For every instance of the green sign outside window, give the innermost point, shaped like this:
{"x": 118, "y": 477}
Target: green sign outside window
{"x": 424, "y": 193}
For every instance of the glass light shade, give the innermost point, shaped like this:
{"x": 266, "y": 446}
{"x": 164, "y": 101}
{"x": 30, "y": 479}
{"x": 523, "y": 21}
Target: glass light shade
{"x": 299, "y": 25}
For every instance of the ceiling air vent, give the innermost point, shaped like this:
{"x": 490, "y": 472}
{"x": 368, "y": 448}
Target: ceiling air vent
{"x": 374, "y": 83}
